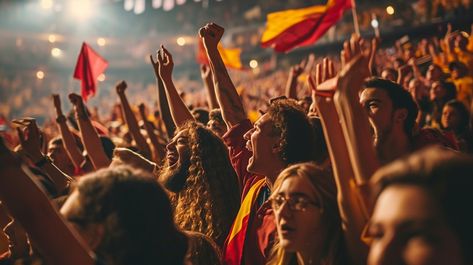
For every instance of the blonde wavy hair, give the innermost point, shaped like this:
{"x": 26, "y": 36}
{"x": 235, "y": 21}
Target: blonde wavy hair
{"x": 334, "y": 251}
{"x": 210, "y": 198}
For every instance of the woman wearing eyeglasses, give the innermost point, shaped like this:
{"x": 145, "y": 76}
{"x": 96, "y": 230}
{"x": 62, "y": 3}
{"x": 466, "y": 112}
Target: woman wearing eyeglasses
{"x": 308, "y": 223}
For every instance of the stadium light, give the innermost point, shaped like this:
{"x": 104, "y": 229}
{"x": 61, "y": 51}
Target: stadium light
{"x": 253, "y": 64}
{"x": 101, "y": 42}
{"x": 181, "y": 41}
{"x": 128, "y": 5}
{"x": 40, "y": 74}
{"x": 46, "y": 4}
{"x": 52, "y": 38}
{"x": 81, "y": 9}
{"x": 101, "y": 78}
{"x": 56, "y": 52}
{"x": 140, "y": 7}
{"x": 390, "y": 10}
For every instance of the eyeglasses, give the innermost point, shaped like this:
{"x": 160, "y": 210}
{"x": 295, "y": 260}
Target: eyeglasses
{"x": 295, "y": 203}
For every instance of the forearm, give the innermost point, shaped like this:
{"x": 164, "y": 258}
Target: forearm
{"x": 157, "y": 152}
{"x": 227, "y": 96}
{"x": 60, "y": 179}
{"x": 211, "y": 97}
{"x": 70, "y": 144}
{"x": 291, "y": 87}
{"x": 179, "y": 112}
{"x": 354, "y": 217}
{"x": 355, "y": 127}
{"x": 164, "y": 109}
{"x": 38, "y": 216}
{"x": 133, "y": 126}
{"x": 91, "y": 140}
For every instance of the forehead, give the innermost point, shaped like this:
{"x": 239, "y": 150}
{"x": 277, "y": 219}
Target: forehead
{"x": 370, "y": 94}
{"x": 264, "y": 121}
{"x": 401, "y": 204}
{"x": 296, "y": 185}
{"x": 181, "y": 134}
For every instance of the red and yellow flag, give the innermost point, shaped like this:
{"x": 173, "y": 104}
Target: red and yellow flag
{"x": 233, "y": 249}
{"x": 288, "y": 29}
{"x": 230, "y": 57}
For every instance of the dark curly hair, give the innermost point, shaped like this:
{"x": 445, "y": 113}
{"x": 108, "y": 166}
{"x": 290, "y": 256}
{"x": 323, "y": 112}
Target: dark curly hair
{"x": 210, "y": 198}
{"x": 136, "y": 214}
{"x": 292, "y": 124}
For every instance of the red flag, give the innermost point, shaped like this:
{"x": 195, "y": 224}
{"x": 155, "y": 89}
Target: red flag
{"x": 286, "y": 30}
{"x": 88, "y": 67}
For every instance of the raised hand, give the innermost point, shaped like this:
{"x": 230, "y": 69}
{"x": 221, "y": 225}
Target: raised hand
{"x": 155, "y": 64}
{"x": 355, "y": 65}
{"x": 76, "y": 99}
{"x": 142, "y": 108}
{"x": 30, "y": 140}
{"x": 211, "y": 33}
{"x": 121, "y": 87}
{"x": 57, "y": 104}
{"x": 166, "y": 64}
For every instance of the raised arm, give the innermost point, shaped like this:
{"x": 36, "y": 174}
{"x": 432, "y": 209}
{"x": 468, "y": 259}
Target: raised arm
{"x": 352, "y": 213}
{"x": 73, "y": 151}
{"x": 227, "y": 96}
{"x": 354, "y": 119}
{"x": 89, "y": 136}
{"x": 159, "y": 150}
{"x": 37, "y": 215}
{"x": 30, "y": 143}
{"x": 206, "y": 74}
{"x": 291, "y": 85}
{"x": 163, "y": 105}
{"x": 179, "y": 111}
{"x": 131, "y": 121}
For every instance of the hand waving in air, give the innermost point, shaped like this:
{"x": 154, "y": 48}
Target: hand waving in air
{"x": 165, "y": 64}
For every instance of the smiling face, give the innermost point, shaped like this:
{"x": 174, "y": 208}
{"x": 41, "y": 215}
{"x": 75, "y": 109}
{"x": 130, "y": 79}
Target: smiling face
{"x": 176, "y": 164}
{"x": 301, "y": 228}
{"x": 407, "y": 228}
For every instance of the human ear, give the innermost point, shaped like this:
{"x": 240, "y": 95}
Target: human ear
{"x": 400, "y": 115}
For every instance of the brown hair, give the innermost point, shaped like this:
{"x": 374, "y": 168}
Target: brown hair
{"x": 210, "y": 197}
{"x": 334, "y": 251}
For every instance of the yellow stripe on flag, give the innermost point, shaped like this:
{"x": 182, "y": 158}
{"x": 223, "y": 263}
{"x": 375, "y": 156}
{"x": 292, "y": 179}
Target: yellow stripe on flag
{"x": 245, "y": 208}
{"x": 230, "y": 57}
{"x": 278, "y": 22}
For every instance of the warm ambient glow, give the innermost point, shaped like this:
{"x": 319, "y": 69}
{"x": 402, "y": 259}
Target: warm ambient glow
{"x": 101, "y": 42}
{"x": 101, "y": 77}
{"x": 40, "y": 74}
{"x": 253, "y": 64}
{"x": 390, "y": 10}
{"x": 56, "y": 52}
{"x": 181, "y": 41}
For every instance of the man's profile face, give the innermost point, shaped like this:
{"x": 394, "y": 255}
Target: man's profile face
{"x": 177, "y": 162}
{"x": 261, "y": 141}
{"x": 379, "y": 108}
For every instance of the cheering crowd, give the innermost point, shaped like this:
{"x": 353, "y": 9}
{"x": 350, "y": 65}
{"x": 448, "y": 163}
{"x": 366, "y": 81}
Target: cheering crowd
{"x": 361, "y": 158}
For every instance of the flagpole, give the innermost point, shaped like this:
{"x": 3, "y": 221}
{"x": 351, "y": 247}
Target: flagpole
{"x": 355, "y": 18}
